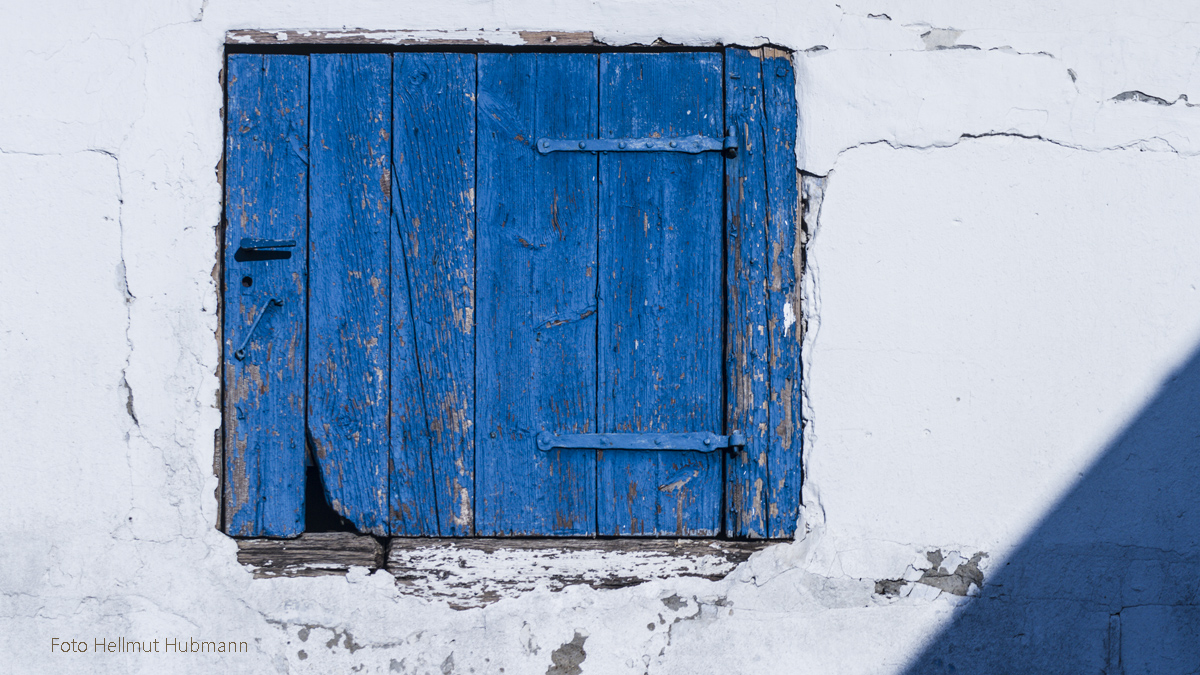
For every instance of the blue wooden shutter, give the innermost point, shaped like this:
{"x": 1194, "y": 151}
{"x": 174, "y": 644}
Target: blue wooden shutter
{"x": 596, "y": 296}
{"x": 264, "y": 311}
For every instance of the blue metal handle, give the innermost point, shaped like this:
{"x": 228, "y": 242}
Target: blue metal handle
{"x": 240, "y": 354}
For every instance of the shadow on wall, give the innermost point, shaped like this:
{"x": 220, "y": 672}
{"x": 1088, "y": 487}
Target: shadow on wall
{"x": 1109, "y": 582}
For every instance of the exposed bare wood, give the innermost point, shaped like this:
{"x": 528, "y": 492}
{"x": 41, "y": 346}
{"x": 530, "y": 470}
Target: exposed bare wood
{"x": 464, "y": 571}
{"x": 311, "y": 554}
{"x": 476, "y": 572}
{"x": 352, "y": 36}
{"x": 559, "y": 38}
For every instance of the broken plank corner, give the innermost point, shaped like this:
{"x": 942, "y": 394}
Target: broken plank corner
{"x": 311, "y": 554}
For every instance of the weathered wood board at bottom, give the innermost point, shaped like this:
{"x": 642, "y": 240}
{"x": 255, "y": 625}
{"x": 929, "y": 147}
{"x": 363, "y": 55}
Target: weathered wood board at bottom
{"x": 469, "y": 573}
{"x": 311, "y": 554}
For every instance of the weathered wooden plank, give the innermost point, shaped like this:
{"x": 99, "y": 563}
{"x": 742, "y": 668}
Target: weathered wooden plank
{"x": 469, "y": 573}
{"x": 745, "y": 273}
{"x": 352, "y": 36}
{"x": 559, "y": 38}
{"x": 783, "y": 294}
{"x": 464, "y": 571}
{"x": 412, "y": 502}
{"x": 434, "y": 150}
{"x": 348, "y": 282}
{"x": 537, "y": 294}
{"x": 660, "y": 304}
{"x": 265, "y": 165}
{"x": 311, "y": 554}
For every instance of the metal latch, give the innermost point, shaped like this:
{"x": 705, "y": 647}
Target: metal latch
{"x": 266, "y": 244}
{"x": 701, "y": 441}
{"x": 254, "y": 250}
{"x": 727, "y": 146}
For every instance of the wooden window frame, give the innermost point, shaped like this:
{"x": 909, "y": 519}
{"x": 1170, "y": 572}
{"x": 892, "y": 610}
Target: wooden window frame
{"x": 324, "y": 553}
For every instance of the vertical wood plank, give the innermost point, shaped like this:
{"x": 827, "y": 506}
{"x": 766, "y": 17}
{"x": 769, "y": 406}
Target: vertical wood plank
{"x": 660, "y": 302}
{"x": 783, "y": 294}
{"x": 265, "y": 166}
{"x": 412, "y": 509}
{"x": 746, "y": 338}
{"x": 348, "y": 282}
{"x": 537, "y": 294}
{"x": 434, "y": 124}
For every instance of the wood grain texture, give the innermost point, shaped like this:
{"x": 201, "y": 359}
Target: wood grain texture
{"x": 477, "y": 572}
{"x": 348, "y": 282}
{"x": 746, "y": 339}
{"x": 660, "y": 304}
{"x": 537, "y": 294}
{"x": 434, "y": 151}
{"x": 783, "y": 294}
{"x": 463, "y": 571}
{"x": 311, "y": 554}
{"x": 412, "y": 502}
{"x": 265, "y": 166}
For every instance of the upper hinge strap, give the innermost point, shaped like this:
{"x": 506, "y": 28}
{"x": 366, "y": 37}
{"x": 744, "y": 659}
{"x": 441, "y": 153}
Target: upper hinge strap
{"x": 701, "y": 441}
{"x": 727, "y": 146}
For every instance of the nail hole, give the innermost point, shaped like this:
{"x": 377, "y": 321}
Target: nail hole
{"x": 247, "y": 282}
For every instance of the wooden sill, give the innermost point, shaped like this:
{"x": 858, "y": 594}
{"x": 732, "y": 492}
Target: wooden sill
{"x": 475, "y": 572}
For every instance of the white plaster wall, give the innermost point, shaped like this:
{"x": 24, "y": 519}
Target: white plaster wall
{"x": 1001, "y": 276}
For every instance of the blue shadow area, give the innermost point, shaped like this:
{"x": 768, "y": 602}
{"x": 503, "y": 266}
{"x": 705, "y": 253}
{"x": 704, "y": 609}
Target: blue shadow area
{"x": 1109, "y": 582}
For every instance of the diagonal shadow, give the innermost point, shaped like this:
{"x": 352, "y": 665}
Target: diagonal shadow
{"x": 1109, "y": 581}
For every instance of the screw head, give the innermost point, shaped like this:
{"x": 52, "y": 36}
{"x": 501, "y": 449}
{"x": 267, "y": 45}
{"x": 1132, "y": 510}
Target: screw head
{"x": 582, "y": 145}
{"x": 621, "y": 145}
{"x": 672, "y": 144}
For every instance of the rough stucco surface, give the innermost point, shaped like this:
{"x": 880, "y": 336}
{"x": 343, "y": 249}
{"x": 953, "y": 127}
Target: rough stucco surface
{"x": 1001, "y": 305}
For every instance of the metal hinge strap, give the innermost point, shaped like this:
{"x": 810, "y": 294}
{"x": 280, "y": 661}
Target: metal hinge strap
{"x": 701, "y": 441}
{"x": 727, "y": 146}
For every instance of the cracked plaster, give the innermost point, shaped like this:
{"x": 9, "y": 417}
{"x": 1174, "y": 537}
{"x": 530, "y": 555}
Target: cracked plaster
{"x": 924, "y": 126}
